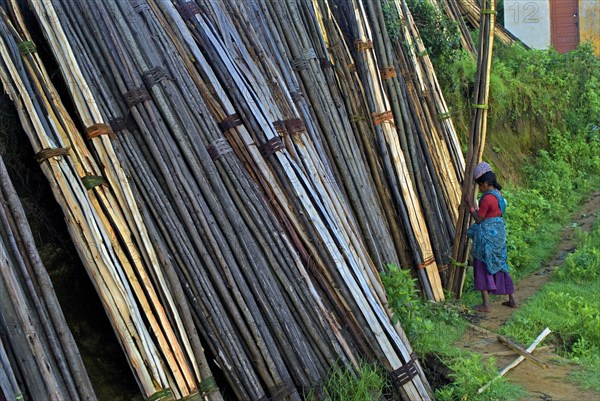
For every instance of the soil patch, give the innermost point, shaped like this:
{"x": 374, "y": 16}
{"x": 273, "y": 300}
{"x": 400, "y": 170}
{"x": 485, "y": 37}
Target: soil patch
{"x": 541, "y": 384}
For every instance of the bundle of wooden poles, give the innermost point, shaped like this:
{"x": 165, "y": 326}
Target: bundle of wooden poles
{"x": 477, "y": 138}
{"x": 106, "y": 229}
{"x": 38, "y": 355}
{"x": 248, "y": 170}
{"x": 427, "y": 182}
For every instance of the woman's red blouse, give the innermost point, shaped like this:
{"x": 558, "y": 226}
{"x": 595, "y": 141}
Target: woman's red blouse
{"x": 489, "y": 207}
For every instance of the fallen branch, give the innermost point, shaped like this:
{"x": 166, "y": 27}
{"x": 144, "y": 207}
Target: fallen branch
{"x": 518, "y": 360}
{"x": 521, "y": 351}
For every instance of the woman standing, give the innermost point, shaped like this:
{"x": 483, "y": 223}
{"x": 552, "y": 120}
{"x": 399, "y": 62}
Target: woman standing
{"x": 490, "y": 261}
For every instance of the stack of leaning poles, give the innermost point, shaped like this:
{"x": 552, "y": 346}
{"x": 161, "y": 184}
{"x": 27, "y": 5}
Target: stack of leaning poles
{"x": 432, "y": 142}
{"x": 38, "y": 355}
{"x": 433, "y": 128}
{"x": 303, "y": 63}
{"x": 477, "y": 137}
{"x": 242, "y": 261}
{"x": 212, "y": 25}
{"x": 103, "y": 222}
{"x": 430, "y": 108}
{"x": 367, "y": 109}
{"x": 401, "y": 150}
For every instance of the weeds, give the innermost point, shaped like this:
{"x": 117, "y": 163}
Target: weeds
{"x": 342, "y": 384}
{"x": 471, "y": 374}
{"x": 432, "y": 330}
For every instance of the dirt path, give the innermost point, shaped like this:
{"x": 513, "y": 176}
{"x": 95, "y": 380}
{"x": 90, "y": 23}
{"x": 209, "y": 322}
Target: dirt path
{"x": 541, "y": 384}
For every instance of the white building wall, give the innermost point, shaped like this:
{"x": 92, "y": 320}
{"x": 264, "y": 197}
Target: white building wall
{"x": 529, "y": 20}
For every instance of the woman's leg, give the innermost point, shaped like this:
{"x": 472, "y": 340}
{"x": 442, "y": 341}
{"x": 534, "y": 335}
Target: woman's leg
{"x": 505, "y": 283}
{"x": 512, "y": 302}
{"x": 485, "y": 306}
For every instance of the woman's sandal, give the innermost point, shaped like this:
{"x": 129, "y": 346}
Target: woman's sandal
{"x": 481, "y": 308}
{"x": 510, "y": 304}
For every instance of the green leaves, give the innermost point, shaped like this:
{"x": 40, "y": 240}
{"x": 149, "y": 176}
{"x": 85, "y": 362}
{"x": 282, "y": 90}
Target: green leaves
{"x": 440, "y": 35}
{"x": 403, "y": 297}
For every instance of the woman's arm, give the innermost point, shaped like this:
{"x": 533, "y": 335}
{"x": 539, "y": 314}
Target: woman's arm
{"x": 475, "y": 214}
{"x": 478, "y": 214}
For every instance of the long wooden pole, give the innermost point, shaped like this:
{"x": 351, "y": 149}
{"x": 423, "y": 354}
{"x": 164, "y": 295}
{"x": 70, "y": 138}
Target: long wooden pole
{"x": 477, "y": 138}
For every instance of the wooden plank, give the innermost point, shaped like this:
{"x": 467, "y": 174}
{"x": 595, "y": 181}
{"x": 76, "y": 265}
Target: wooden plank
{"x": 521, "y": 351}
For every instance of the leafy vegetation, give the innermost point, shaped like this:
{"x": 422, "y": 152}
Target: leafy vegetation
{"x": 342, "y": 384}
{"x": 570, "y": 306}
{"x": 532, "y": 92}
{"x": 440, "y": 35}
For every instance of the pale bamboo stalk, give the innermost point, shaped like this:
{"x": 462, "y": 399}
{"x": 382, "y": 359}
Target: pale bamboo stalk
{"x": 524, "y": 353}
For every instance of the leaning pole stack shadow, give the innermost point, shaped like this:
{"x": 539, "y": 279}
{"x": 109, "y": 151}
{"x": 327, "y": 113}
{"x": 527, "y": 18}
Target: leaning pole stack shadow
{"x": 38, "y": 354}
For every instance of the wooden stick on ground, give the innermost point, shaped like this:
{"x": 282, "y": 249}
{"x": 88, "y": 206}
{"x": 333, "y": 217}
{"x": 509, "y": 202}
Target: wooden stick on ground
{"x": 521, "y": 351}
{"x": 517, "y": 361}
{"x": 514, "y": 347}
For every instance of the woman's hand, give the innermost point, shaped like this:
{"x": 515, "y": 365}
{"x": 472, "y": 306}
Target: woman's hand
{"x": 469, "y": 199}
{"x": 469, "y": 202}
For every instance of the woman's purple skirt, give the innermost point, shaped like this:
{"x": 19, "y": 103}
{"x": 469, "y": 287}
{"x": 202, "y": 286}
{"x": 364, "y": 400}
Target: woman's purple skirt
{"x": 500, "y": 283}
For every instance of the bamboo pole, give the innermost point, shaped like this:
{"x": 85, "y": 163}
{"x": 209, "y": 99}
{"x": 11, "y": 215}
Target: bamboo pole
{"x": 477, "y": 136}
{"x": 524, "y": 353}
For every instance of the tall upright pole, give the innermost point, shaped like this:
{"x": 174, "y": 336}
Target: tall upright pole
{"x": 477, "y": 136}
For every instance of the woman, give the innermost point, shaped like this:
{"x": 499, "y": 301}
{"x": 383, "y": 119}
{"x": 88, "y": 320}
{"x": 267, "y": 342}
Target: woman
{"x": 490, "y": 262}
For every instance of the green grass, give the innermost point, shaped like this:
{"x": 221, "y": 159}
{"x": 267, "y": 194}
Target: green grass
{"x": 570, "y": 306}
{"x": 471, "y": 373}
{"x": 368, "y": 382}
